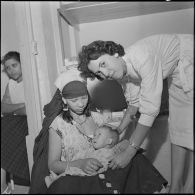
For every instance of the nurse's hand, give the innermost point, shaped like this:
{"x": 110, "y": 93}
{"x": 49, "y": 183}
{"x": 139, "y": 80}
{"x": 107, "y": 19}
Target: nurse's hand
{"x": 123, "y": 159}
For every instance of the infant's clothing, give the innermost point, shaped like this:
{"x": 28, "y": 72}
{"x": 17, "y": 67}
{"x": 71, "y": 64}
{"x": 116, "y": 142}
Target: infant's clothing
{"x": 104, "y": 155}
{"x": 73, "y": 141}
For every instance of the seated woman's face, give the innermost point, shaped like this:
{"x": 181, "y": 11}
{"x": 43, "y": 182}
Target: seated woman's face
{"x": 78, "y": 104}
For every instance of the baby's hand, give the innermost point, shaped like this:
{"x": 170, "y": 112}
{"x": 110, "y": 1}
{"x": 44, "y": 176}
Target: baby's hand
{"x": 51, "y": 178}
{"x": 52, "y": 175}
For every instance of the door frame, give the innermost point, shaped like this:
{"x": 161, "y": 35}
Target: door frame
{"x": 30, "y": 77}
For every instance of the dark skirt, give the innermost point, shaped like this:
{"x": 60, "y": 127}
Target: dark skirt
{"x": 14, "y": 160}
{"x": 140, "y": 176}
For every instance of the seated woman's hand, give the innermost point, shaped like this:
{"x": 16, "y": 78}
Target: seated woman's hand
{"x": 122, "y": 160}
{"x": 90, "y": 166}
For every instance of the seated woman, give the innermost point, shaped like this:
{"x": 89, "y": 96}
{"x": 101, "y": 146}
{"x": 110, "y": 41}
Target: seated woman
{"x": 14, "y": 126}
{"x": 76, "y": 123}
{"x": 103, "y": 142}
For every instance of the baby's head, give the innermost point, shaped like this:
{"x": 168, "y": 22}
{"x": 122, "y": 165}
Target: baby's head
{"x": 105, "y": 137}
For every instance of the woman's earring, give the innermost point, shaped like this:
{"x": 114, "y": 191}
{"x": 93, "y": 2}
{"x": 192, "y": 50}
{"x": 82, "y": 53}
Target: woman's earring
{"x": 65, "y": 108}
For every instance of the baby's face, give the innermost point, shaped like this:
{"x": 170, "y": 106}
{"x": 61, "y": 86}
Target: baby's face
{"x": 101, "y": 137}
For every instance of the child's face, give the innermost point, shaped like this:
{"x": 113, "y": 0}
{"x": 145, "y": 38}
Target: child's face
{"x": 77, "y": 105}
{"x": 101, "y": 138}
{"x": 13, "y": 69}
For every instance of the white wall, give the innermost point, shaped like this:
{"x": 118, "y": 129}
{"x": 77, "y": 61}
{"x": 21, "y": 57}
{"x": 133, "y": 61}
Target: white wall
{"x": 9, "y": 36}
{"x": 9, "y": 32}
{"x": 50, "y": 49}
{"x": 128, "y": 30}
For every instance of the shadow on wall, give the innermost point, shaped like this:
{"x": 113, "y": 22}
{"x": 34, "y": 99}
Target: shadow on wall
{"x": 157, "y": 137}
{"x": 157, "y": 145}
{"x": 108, "y": 95}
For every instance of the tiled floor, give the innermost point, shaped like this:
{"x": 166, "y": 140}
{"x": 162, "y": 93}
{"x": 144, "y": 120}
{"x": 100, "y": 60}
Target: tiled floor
{"x": 20, "y": 189}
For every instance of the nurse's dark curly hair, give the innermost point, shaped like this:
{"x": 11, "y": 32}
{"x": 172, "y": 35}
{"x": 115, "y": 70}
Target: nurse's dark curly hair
{"x": 93, "y": 51}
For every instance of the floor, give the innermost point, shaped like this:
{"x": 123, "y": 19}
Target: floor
{"x": 20, "y": 189}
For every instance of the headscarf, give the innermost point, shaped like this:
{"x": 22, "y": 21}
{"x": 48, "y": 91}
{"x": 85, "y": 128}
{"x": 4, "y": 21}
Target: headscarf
{"x": 74, "y": 89}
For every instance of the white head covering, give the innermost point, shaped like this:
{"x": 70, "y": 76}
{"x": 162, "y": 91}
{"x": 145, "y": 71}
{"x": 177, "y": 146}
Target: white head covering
{"x": 66, "y": 77}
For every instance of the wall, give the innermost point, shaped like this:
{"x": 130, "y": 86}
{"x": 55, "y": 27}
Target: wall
{"x": 9, "y": 32}
{"x": 46, "y": 35}
{"x": 49, "y": 45}
{"x": 9, "y": 36}
{"x": 70, "y": 39}
{"x": 128, "y": 30}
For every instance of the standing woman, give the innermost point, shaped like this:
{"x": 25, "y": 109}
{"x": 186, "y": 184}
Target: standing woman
{"x": 14, "y": 126}
{"x": 141, "y": 70}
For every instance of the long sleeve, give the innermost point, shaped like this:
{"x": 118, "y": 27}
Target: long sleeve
{"x": 132, "y": 93}
{"x": 144, "y": 87}
{"x": 150, "y": 91}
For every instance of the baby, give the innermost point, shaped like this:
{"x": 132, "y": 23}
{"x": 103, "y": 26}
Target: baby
{"x": 104, "y": 140}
